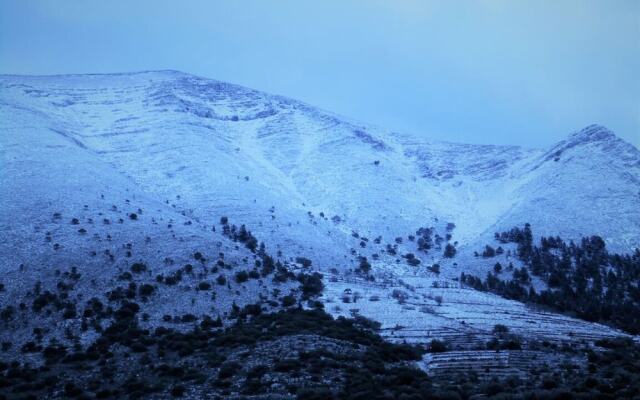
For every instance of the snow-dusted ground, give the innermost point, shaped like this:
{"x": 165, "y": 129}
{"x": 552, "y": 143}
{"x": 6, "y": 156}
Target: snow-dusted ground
{"x": 225, "y": 149}
{"x": 188, "y": 150}
{"x": 459, "y": 315}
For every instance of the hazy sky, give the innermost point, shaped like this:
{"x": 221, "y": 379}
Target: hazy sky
{"x": 508, "y": 72}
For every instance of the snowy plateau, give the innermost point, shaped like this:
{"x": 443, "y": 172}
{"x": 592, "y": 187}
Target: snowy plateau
{"x": 99, "y": 173}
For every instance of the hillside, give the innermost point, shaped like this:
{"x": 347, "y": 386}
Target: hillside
{"x": 127, "y": 187}
{"x": 229, "y": 150}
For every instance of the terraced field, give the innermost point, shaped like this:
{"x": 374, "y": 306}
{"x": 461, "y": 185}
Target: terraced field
{"x": 486, "y": 364}
{"x": 464, "y": 319}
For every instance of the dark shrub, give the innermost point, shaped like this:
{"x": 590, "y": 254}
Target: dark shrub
{"x": 177, "y": 391}
{"x": 254, "y": 274}
{"x": 435, "y": 268}
{"x": 188, "y": 318}
{"x": 493, "y": 389}
{"x": 437, "y": 346}
{"x": 364, "y": 265}
{"x": 71, "y": 390}
{"x": 288, "y": 301}
{"x": 499, "y": 328}
{"x": 251, "y": 309}
{"x": 69, "y": 311}
{"x": 311, "y": 285}
{"x": 146, "y": 289}
{"x": 229, "y": 369}
{"x": 138, "y": 268}
{"x": 242, "y": 276}
{"x": 488, "y": 252}
{"x": 305, "y": 262}
{"x": 7, "y": 313}
{"x": 54, "y": 353}
{"x": 208, "y": 323}
{"x": 287, "y": 364}
{"x": 449, "y": 251}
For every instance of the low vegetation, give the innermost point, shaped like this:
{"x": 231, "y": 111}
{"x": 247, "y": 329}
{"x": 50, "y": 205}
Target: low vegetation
{"x": 583, "y": 279}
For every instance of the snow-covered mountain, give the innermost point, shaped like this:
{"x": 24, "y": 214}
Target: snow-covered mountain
{"x": 182, "y": 151}
{"x": 218, "y": 149}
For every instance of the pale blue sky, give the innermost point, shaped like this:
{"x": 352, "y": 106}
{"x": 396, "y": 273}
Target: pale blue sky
{"x": 504, "y": 72}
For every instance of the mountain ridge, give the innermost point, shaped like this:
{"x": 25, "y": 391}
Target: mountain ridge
{"x": 287, "y": 131}
{"x": 591, "y": 132}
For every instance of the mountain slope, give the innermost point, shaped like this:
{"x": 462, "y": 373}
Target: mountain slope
{"x": 187, "y": 151}
{"x": 226, "y": 149}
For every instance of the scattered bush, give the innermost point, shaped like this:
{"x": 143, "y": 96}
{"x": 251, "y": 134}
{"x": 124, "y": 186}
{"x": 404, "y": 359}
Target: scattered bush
{"x": 437, "y": 346}
{"x": 138, "y": 268}
{"x": 288, "y": 301}
{"x": 500, "y": 329}
{"x": 242, "y": 276}
{"x": 305, "y": 262}
{"x": 311, "y": 285}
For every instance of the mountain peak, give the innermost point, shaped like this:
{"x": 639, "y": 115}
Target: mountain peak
{"x": 591, "y": 133}
{"x": 595, "y": 137}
